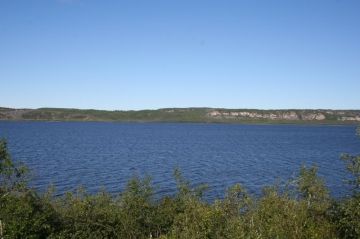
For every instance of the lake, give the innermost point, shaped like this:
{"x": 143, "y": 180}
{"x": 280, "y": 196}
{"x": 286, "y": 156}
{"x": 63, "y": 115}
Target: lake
{"x": 102, "y": 154}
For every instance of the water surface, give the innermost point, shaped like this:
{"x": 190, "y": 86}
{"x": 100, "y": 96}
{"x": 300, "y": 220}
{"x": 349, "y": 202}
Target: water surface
{"x": 97, "y": 154}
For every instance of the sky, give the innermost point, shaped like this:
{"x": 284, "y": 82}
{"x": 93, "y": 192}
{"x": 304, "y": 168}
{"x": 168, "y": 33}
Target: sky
{"x": 130, "y": 55}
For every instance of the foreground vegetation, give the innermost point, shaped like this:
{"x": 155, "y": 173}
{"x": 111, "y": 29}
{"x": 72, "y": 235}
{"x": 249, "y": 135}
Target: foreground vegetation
{"x": 302, "y": 209}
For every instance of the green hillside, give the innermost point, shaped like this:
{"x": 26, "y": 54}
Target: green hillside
{"x": 186, "y": 115}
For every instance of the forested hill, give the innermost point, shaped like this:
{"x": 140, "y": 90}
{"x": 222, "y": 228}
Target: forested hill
{"x": 186, "y": 115}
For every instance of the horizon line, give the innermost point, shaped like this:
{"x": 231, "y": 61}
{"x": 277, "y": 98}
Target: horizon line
{"x": 162, "y": 108}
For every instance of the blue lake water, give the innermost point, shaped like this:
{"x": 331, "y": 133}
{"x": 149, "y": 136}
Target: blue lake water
{"x": 96, "y": 154}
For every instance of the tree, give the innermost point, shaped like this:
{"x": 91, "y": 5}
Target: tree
{"x": 348, "y": 211}
{"x": 12, "y": 176}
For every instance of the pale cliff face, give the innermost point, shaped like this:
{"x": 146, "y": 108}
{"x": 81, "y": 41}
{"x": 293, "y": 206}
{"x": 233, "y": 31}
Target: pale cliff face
{"x": 313, "y": 116}
{"x": 282, "y": 115}
{"x": 290, "y": 116}
{"x": 355, "y": 118}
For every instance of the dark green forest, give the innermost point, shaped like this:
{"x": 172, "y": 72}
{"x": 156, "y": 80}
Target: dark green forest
{"x": 301, "y": 209}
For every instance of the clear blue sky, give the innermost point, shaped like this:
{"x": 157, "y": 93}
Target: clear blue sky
{"x": 180, "y": 53}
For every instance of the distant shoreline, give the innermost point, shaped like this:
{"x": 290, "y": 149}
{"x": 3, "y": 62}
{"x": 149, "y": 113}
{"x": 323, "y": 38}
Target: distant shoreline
{"x": 188, "y": 115}
{"x": 195, "y": 123}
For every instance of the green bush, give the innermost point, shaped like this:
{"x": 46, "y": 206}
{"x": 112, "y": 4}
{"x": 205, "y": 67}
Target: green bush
{"x": 87, "y": 216}
{"x": 27, "y": 216}
{"x": 347, "y": 212}
{"x": 12, "y": 176}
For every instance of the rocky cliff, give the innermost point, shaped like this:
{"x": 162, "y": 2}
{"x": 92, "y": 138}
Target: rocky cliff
{"x": 290, "y": 115}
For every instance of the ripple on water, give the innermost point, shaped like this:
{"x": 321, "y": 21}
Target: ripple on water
{"x": 69, "y": 154}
